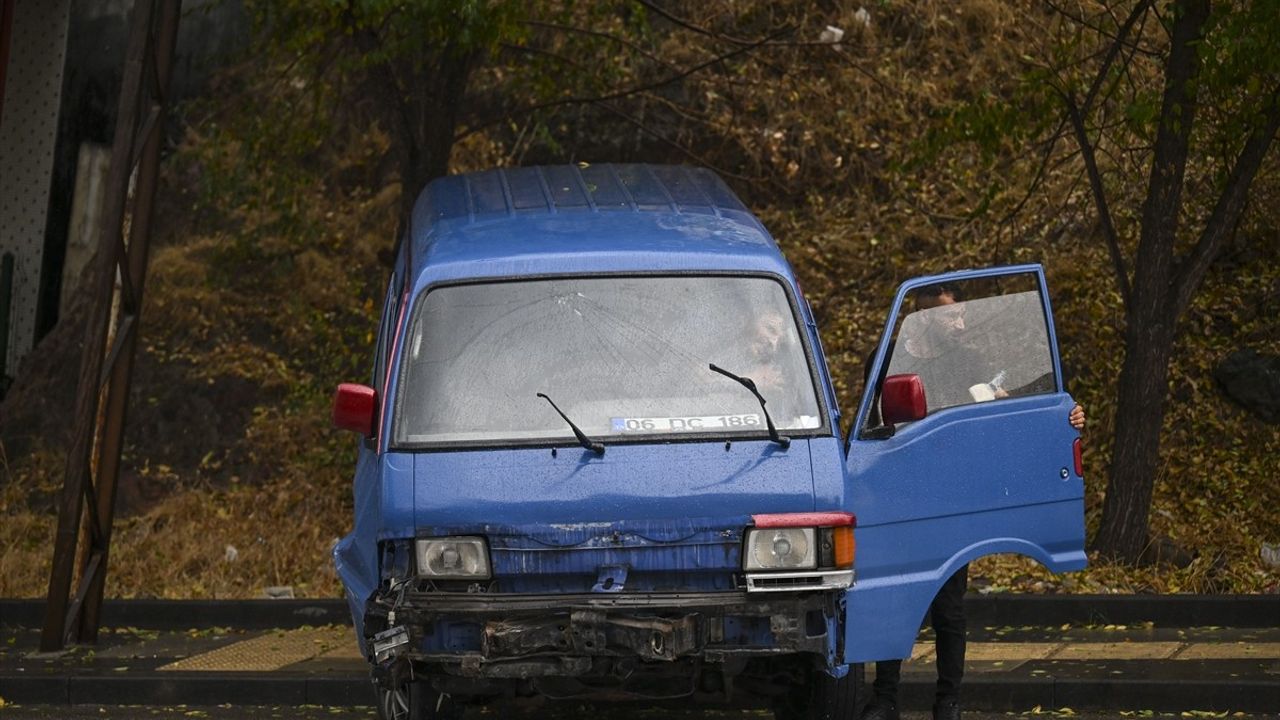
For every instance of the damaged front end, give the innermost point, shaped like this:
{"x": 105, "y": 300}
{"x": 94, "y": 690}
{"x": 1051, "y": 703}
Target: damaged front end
{"x": 604, "y": 611}
{"x": 604, "y": 646}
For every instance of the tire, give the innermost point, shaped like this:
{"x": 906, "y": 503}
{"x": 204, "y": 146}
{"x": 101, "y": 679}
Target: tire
{"x": 414, "y": 700}
{"x": 836, "y": 698}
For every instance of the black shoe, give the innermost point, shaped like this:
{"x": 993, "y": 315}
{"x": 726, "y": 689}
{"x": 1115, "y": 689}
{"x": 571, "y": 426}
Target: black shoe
{"x": 880, "y": 709}
{"x": 946, "y": 710}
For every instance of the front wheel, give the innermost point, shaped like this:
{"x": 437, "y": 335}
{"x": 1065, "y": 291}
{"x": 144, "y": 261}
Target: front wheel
{"x": 413, "y": 700}
{"x": 822, "y": 697}
{"x": 838, "y": 698}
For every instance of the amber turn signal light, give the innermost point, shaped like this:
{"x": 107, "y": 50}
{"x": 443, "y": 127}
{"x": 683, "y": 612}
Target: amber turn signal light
{"x": 845, "y": 546}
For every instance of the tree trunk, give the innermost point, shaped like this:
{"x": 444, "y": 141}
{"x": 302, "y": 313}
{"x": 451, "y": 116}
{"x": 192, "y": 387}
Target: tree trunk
{"x": 1152, "y": 309}
{"x": 1140, "y": 412}
{"x": 430, "y": 125}
{"x": 420, "y": 100}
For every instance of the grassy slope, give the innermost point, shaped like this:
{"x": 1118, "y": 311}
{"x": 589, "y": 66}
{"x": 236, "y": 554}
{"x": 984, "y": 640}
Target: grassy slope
{"x": 265, "y": 284}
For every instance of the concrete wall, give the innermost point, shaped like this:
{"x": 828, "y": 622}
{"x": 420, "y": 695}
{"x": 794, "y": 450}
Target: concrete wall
{"x": 28, "y": 134}
{"x": 61, "y": 92}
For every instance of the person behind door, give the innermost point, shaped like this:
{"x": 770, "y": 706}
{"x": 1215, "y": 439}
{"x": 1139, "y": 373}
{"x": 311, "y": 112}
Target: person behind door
{"x": 946, "y": 612}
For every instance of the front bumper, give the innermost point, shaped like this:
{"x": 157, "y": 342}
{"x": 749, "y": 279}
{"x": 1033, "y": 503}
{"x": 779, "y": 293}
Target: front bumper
{"x": 522, "y": 636}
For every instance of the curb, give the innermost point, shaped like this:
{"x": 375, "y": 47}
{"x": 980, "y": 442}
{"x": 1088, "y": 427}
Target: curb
{"x": 1080, "y": 694}
{"x": 183, "y": 614}
{"x": 1177, "y": 611}
{"x": 170, "y": 688}
{"x": 1239, "y": 611}
{"x": 980, "y": 694}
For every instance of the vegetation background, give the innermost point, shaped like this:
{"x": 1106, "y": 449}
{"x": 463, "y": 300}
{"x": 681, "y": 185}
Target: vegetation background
{"x": 922, "y": 141}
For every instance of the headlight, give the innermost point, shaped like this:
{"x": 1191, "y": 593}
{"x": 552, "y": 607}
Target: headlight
{"x": 781, "y": 549}
{"x": 452, "y": 557}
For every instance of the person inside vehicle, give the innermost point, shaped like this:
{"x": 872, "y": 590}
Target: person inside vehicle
{"x": 766, "y": 336}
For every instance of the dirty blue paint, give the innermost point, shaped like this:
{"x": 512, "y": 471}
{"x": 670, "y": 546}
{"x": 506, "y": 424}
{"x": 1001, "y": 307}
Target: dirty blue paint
{"x": 962, "y": 483}
{"x": 641, "y": 482}
{"x": 680, "y": 554}
{"x": 959, "y": 484}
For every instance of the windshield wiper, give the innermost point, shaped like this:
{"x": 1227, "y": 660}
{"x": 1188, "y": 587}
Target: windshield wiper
{"x": 782, "y": 440}
{"x": 594, "y": 446}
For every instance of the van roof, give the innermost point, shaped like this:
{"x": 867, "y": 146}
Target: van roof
{"x": 585, "y": 218}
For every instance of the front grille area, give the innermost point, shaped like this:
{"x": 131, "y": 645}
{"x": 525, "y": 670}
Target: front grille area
{"x": 636, "y": 582}
{"x": 796, "y": 581}
{"x": 626, "y": 557}
{"x": 786, "y": 583}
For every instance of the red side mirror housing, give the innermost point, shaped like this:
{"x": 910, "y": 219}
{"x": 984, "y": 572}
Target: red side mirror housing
{"x": 902, "y": 399}
{"x": 353, "y": 407}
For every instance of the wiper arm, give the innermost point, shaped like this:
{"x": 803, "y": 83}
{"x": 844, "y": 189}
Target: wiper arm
{"x": 747, "y": 383}
{"x": 594, "y": 446}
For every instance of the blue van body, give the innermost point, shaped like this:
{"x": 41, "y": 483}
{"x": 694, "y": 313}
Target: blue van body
{"x": 629, "y": 563}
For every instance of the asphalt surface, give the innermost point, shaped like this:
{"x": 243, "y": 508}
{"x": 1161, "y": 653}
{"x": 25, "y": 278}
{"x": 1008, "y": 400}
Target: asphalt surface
{"x": 314, "y": 670}
{"x": 141, "y": 712}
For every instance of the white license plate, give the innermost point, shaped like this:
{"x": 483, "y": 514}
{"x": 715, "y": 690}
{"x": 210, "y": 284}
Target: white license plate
{"x": 691, "y": 423}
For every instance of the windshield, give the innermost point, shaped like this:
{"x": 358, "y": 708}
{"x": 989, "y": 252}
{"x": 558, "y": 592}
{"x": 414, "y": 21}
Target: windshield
{"x": 621, "y": 356}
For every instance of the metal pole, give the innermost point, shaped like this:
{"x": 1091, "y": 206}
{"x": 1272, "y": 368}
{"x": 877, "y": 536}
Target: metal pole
{"x": 76, "y": 619}
{"x": 122, "y": 372}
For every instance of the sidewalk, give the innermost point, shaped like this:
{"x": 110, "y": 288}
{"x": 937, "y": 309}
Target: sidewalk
{"x": 1079, "y": 666}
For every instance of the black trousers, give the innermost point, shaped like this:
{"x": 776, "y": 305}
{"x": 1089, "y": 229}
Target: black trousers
{"x": 946, "y": 613}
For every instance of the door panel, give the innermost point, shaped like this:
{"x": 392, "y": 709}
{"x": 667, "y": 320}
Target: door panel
{"x": 989, "y": 469}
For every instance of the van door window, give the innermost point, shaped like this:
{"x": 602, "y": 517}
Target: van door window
{"x": 386, "y": 331}
{"x": 972, "y": 341}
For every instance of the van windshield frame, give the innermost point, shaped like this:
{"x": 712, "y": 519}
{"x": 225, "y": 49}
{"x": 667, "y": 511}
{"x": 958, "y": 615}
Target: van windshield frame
{"x": 454, "y": 379}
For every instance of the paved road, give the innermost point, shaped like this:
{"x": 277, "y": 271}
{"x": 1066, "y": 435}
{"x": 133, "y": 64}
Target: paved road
{"x": 139, "y": 712}
{"x": 1090, "y": 668}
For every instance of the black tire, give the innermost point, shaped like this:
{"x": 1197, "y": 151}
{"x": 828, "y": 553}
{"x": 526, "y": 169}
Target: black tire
{"x": 414, "y": 700}
{"x": 839, "y": 698}
{"x": 825, "y": 698}
{"x": 822, "y": 697}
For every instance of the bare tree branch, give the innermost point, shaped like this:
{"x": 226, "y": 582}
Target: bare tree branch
{"x": 864, "y": 72}
{"x": 604, "y": 36}
{"x": 1229, "y": 208}
{"x": 1162, "y": 208}
{"x": 1076, "y": 114}
{"x": 1113, "y": 50}
{"x": 616, "y": 94}
{"x": 1099, "y": 196}
{"x": 1117, "y": 45}
{"x": 687, "y": 25}
{"x": 681, "y": 111}
{"x": 1041, "y": 171}
{"x": 1118, "y": 38}
{"x": 672, "y": 143}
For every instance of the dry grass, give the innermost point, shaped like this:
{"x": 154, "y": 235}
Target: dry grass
{"x": 265, "y": 290}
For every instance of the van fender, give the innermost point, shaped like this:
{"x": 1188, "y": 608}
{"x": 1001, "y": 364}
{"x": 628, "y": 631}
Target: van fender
{"x": 902, "y": 601}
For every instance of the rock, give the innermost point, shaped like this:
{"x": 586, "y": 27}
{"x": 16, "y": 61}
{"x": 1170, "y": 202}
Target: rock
{"x": 279, "y": 592}
{"x": 1270, "y": 555}
{"x": 1164, "y": 551}
{"x": 1252, "y": 380}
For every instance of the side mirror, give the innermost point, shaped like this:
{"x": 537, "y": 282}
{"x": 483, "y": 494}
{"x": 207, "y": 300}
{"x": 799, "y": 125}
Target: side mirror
{"x": 902, "y": 399}
{"x": 353, "y": 407}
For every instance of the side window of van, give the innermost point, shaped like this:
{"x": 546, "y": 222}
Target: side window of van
{"x": 972, "y": 341}
{"x": 386, "y": 332}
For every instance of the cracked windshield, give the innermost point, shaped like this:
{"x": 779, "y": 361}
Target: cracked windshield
{"x": 621, "y": 356}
